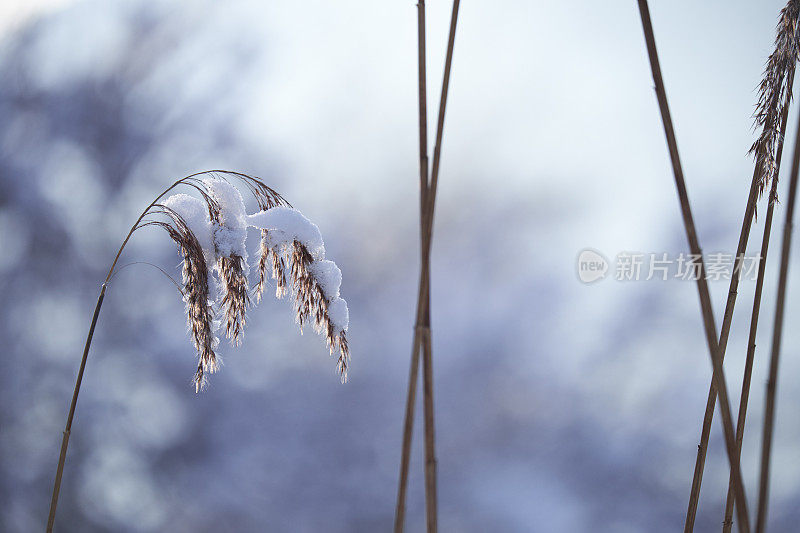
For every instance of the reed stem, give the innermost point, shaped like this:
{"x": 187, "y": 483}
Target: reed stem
{"x": 65, "y": 441}
{"x": 422, "y": 329}
{"x": 702, "y": 284}
{"x": 708, "y": 417}
{"x": 424, "y": 326}
{"x": 769, "y": 411}
{"x": 424, "y": 281}
{"x": 751, "y": 342}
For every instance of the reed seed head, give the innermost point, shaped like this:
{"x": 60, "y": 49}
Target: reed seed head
{"x": 774, "y": 92}
{"x": 235, "y": 297}
{"x": 199, "y": 311}
{"x": 212, "y": 230}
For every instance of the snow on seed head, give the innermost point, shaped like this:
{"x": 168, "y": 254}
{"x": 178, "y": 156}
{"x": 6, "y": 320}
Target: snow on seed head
{"x": 288, "y": 225}
{"x": 339, "y": 314}
{"x": 230, "y": 228}
{"x": 195, "y": 213}
{"x": 329, "y": 278}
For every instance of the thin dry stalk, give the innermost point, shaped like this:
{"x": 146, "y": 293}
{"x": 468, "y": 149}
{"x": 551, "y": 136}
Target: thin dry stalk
{"x": 422, "y": 331}
{"x": 65, "y": 439}
{"x": 711, "y": 402}
{"x": 751, "y": 343}
{"x": 772, "y": 383}
{"x": 422, "y": 298}
{"x": 702, "y": 284}
{"x": 771, "y": 116}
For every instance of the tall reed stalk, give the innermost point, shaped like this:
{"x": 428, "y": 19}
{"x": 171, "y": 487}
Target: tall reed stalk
{"x": 727, "y": 317}
{"x": 702, "y": 285}
{"x": 771, "y": 116}
{"x": 772, "y": 383}
{"x": 422, "y": 329}
{"x": 751, "y": 342}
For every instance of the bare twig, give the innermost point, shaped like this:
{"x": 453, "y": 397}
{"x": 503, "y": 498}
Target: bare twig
{"x": 702, "y": 285}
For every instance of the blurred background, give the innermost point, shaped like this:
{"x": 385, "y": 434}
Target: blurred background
{"x": 560, "y": 406}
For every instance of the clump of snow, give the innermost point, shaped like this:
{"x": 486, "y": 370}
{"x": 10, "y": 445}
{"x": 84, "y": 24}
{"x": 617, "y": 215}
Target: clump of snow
{"x": 329, "y": 278}
{"x": 339, "y": 314}
{"x": 287, "y": 225}
{"x": 194, "y": 212}
{"x": 231, "y": 203}
{"x": 230, "y": 231}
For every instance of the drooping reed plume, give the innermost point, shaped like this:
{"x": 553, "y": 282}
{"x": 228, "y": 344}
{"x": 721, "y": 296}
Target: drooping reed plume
{"x": 718, "y": 376}
{"x": 229, "y": 229}
{"x": 774, "y": 94}
{"x": 311, "y": 303}
{"x": 210, "y": 232}
{"x": 199, "y": 310}
{"x": 293, "y": 253}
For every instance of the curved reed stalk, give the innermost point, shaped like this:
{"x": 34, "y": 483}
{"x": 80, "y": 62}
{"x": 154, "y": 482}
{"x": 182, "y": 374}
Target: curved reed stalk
{"x": 195, "y": 281}
{"x": 718, "y": 375}
{"x": 772, "y": 383}
{"x": 422, "y": 331}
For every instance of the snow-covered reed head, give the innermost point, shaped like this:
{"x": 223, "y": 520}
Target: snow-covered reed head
{"x": 774, "y": 93}
{"x": 229, "y": 230}
{"x": 290, "y": 239}
{"x": 195, "y": 281}
{"x": 211, "y": 232}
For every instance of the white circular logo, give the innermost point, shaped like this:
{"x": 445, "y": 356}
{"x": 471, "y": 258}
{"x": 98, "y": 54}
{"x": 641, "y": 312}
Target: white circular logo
{"x": 592, "y": 266}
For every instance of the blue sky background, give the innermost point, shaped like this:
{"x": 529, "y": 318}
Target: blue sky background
{"x": 560, "y": 406}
